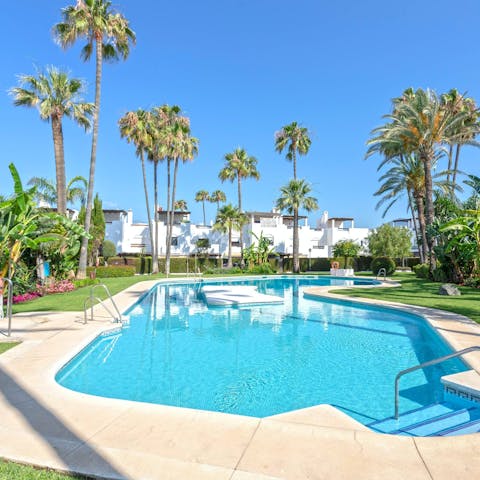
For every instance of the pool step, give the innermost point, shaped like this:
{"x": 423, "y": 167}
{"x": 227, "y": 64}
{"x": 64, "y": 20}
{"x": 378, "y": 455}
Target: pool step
{"x": 442, "y": 419}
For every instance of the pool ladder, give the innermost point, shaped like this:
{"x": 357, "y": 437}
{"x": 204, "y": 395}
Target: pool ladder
{"x": 8, "y": 311}
{"x": 427, "y": 364}
{"x": 92, "y": 298}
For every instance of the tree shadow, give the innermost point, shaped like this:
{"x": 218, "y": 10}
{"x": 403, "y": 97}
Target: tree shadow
{"x": 63, "y": 442}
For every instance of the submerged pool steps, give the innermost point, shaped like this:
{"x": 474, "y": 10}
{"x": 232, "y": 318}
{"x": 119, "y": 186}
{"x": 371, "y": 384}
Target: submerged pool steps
{"x": 441, "y": 419}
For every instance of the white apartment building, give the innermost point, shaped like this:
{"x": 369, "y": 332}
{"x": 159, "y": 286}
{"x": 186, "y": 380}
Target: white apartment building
{"x": 318, "y": 242}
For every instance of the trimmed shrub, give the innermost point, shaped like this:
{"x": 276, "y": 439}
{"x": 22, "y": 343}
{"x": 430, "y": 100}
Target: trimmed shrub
{"x": 112, "y": 271}
{"x": 383, "y": 262}
{"x": 421, "y": 270}
{"x": 362, "y": 263}
{"x": 264, "y": 269}
{"x": 109, "y": 249}
{"x": 85, "y": 282}
{"x": 221, "y": 271}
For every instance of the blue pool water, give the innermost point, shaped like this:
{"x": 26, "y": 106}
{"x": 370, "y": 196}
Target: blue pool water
{"x": 263, "y": 360}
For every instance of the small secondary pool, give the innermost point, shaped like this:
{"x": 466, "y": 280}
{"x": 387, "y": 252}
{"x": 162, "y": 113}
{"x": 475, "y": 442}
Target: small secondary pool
{"x": 263, "y": 360}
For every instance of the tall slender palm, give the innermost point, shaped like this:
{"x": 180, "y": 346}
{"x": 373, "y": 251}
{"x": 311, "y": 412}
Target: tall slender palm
{"x": 56, "y": 96}
{"x": 136, "y": 128}
{"x": 295, "y": 139}
{"x": 457, "y": 103}
{"x": 46, "y": 192}
{"x": 202, "y": 196}
{"x": 229, "y": 218}
{"x": 218, "y": 196}
{"x": 185, "y": 148}
{"x": 239, "y": 165}
{"x": 295, "y": 196}
{"x": 109, "y": 35}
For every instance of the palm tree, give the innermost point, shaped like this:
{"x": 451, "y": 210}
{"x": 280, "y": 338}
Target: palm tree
{"x": 201, "y": 196}
{"x": 294, "y": 196}
{"x": 185, "y": 148}
{"x": 46, "y": 191}
{"x": 296, "y": 139}
{"x": 218, "y": 196}
{"x": 136, "y": 128}
{"x": 406, "y": 175}
{"x": 456, "y": 104}
{"x": 420, "y": 124}
{"x": 56, "y": 96}
{"x": 109, "y": 34}
{"x": 239, "y": 165}
{"x": 229, "y": 218}
{"x": 180, "y": 205}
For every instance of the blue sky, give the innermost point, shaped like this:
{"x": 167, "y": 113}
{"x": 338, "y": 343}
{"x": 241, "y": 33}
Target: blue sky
{"x": 241, "y": 69}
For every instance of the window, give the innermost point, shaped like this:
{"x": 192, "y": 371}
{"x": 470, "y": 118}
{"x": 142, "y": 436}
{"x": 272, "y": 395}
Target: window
{"x": 174, "y": 242}
{"x": 236, "y": 243}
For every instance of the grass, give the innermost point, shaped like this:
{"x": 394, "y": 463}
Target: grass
{"x": 73, "y": 301}
{"x": 418, "y": 291}
{"x": 10, "y": 471}
{"x": 7, "y": 346}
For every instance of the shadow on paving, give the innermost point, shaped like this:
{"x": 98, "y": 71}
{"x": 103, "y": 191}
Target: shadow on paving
{"x": 63, "y": 443}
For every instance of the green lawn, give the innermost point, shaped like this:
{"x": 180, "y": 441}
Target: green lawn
{"x": 73, "y": 301}
{"x": 14, "y": 471}
{"x": 418, "y": 291}
{"x": 4, "y": 346}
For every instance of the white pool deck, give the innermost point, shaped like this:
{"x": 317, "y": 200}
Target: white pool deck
{"x": 45, "y": 424}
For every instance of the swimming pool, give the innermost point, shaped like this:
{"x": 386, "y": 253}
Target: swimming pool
{"x": 263, "y": 360}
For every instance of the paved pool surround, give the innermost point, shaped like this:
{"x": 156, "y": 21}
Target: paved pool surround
{"x": 45, "y": 424}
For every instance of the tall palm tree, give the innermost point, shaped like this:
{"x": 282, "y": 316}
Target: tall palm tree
{"x": 229, "y": 218}
{"x": 185, "y": 148}
{"x": 295, "y": 196}
{"x": 239, "y": 165}
{"x": 136, "y": 128}
{"x": 420, "y": 124}
{"x": 202, "y": 196}
{"x": 46, "y": 192}
{"x": 56, "y": 96}
{"x": 180, "y": 205}
{"x": 218, "y": 196}
{"x": 457, "y": 103}
{"x": 109, "y": 35}
{"x": 295, "y": 139}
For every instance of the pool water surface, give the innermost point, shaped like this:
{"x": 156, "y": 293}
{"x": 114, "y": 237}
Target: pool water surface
{"x": 263, "y": 360}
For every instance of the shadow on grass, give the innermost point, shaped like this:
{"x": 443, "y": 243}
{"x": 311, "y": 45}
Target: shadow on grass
{"x": 64, "y": 444}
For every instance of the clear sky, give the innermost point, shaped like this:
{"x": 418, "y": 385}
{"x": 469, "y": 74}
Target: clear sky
{"x": 241, "y": 69}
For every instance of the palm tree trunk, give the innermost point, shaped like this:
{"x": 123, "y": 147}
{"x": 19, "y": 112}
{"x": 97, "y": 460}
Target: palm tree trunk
{"x": 167, "y": 241}
{"x": 294, "y": 164}
{"x": 203, "y": 204}
{"x": 239, "y": 182}
{"x": 455, "y": 168}
{"x": 82, "y": 263}
{"x": 296, "y": 262}
{"x": 59, "y": 164}
{"x": 415, "y": 227}
{"x": 450, "y": 158}
{"x": 429, "y": 209}
{"x": 421, "y": 223}
{"x": 172, "y": 216}
{"x": 149, "y": 216}
{"x": 229, "y": 263}
{"x": 155, "y": 213}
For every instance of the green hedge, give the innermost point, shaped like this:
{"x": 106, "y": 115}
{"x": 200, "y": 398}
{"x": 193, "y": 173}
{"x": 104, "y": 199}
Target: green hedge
{"x": 112, "y": 271}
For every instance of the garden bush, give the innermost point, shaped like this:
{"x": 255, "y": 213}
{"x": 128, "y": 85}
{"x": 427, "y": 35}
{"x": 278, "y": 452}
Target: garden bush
{"x": 383, "y": 262}
{"x": 112, "y": 271}
{"x": 85, "y": 282}
{"x": 421, "y": 270}
{"x": 264, "y": 269}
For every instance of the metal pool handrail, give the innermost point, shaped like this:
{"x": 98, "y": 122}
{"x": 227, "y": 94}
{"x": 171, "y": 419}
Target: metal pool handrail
{"x": 9, "y": 304}
{"x": 91, "y": 298}
{"x": 428, "y": 364}
{"x": 382, "y": 272}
